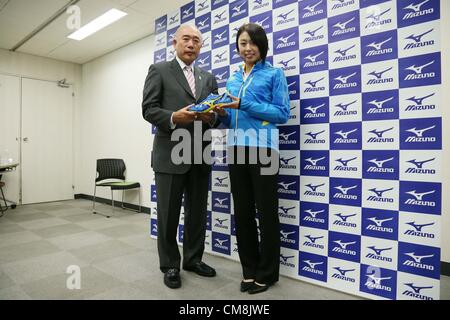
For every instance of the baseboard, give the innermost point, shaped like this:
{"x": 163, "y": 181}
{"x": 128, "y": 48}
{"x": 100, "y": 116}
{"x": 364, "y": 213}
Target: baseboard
{"x": 445, "y": 268}
{"x": 117, "y": 204}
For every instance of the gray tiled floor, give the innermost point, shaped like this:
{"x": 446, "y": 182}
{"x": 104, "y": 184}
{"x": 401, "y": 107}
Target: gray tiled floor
{"x": 117, "y": 258}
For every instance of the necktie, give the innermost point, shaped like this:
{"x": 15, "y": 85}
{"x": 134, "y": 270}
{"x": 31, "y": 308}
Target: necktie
{"x": 190, "y": 78}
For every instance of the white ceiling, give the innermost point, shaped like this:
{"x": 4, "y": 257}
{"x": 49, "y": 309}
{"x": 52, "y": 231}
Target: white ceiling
{"x": 19, "y": 18}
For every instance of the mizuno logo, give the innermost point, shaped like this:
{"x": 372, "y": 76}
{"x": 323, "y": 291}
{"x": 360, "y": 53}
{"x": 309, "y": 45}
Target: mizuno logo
{"x": 415, "y": 288}
{"x": 285, "y": 39}
{"x": 418, "y": 259}
{"x": 376, "y": 17}
{"x": 378, "y": 251}
{"x": 379, "y": 222}
{"x": 220, "y": 201}
{"x": 416, "y": 7}
{"x": 344, "y": 106}
{"x": 285, "y": 15}
{"x": 343, "y": 25}
{"x": 343, "y": 52}
{"x": 378, "y": 75}
{"x": 344, "y": 218}
{"x": 314, "y": 135}
{"x": 313, "y": 213}
{"x": 188, "y": 11}
{"x": 221, "y": 242}
{"x": 419, "y": 227}
{"x": 380, "y": 133}
{"x": 286, "y": 136}
{"x": 419, "y": 133}
{"x": 345, "y": 190}
{"x": 418, "y": 70}
{"x": 286, "y": 234}
{"x": 313, "y": 83}
{"x": 380, "y": 163}
{"x": 314, "y": 161}
{"x": 377, "y": 280}
{"x": 314, "y": 188}
{"x": 419, "y": 164}
{"x": 313, "y": 32}
{"x": 220, "y": 35}
{"x": 286, "y": 161}
{"x": 221, "y": 180}
{"x": 345, "y": 162}
{"x": 314, "y": 109}
{"x": 344, "y": 135}
{"x": 285, "y": 258}
{"x": 419, "y": 101}
{"x": 344, "y": 79}
{"x": 344, "y": 245}
{"x": 312, "y": 8}
{"x": 342, "y": 271}
{"x": 377, "y": 46}
{"x": 379, "y": 193}
{"x": 418, "y": 38}
{"x": 311, "y": 264}
{"x": 238, "y": 8}
{"x": 285, "y": 63}
{"x": 174, "y": 18}
{"x": 313, "y": 239}
{"x": 286, "y": 185}
{"x": 419, "y": 196}
{"x": 313, "y": 58}
{"x": 286, "y": 210}
{"x": 379, "y": 104}
{"x": 220, "y": 221}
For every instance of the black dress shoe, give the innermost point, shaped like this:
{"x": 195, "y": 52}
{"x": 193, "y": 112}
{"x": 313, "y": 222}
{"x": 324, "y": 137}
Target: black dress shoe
{"x": 245, "y": 286}
{"x": 256, "y": 288}
{"x": 172, "y": 278}
{"x": 202, "y": 269}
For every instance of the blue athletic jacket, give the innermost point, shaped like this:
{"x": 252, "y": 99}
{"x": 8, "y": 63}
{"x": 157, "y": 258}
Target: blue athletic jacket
{"x": 264, "y": 104}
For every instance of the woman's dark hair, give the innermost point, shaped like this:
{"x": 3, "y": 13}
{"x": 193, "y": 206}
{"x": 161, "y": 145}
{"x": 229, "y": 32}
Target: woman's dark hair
{"x": 258, "y": 37}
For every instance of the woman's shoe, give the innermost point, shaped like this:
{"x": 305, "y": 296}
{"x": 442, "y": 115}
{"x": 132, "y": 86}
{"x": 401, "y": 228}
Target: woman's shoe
{"x": 258, "y": 288}
{"x": 245, "y": 286}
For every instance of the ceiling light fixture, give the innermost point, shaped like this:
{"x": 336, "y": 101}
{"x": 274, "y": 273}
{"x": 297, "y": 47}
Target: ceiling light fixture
{"x": 97, "y": 24}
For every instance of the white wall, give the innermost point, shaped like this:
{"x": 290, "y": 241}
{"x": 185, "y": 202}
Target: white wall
{"x": 29, "y": 66}
{"x": 445, "y": 57}
{"x": 109, "y": 122}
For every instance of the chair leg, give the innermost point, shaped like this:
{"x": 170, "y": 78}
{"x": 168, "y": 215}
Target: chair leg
{"x": 112, "y": 199}
{"x": 93, "y": 202}
{"x": 6, "y": 205}
{"x": 128, "y": 208}
{"x": 140, "y": 200}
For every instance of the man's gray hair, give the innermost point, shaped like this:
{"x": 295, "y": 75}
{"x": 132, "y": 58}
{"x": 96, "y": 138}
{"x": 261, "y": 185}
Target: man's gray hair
{"x": 188, "y": 25}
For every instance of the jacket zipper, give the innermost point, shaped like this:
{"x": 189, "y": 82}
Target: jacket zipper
{"x": 242, "y": 90}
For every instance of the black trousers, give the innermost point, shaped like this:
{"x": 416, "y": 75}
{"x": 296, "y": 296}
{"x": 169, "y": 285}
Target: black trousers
{"x": 169, "y": 191}
{"x": 252, "y": 191}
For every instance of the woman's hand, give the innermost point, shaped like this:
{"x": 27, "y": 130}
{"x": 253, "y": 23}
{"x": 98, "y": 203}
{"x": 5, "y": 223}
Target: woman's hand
{"x": 232, "y": 105}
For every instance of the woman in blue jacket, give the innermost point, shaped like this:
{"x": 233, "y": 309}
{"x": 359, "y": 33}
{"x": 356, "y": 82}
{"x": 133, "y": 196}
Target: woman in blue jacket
{"x": 260, "y": 101}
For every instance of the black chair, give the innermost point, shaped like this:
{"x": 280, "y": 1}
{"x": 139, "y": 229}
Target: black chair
{"x": 114, "y": 169}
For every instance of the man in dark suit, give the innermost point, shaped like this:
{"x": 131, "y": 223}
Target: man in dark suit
{"x": 170, "y": 88}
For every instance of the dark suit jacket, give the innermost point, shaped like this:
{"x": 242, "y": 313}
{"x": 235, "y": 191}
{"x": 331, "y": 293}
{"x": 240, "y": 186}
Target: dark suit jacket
{"x": 166, "y": 90}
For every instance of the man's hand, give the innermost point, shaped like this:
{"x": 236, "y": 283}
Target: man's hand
{"x": 221, "y": 112}
{"x": 206, "y": 117}
{"x": 183, "y": 116}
